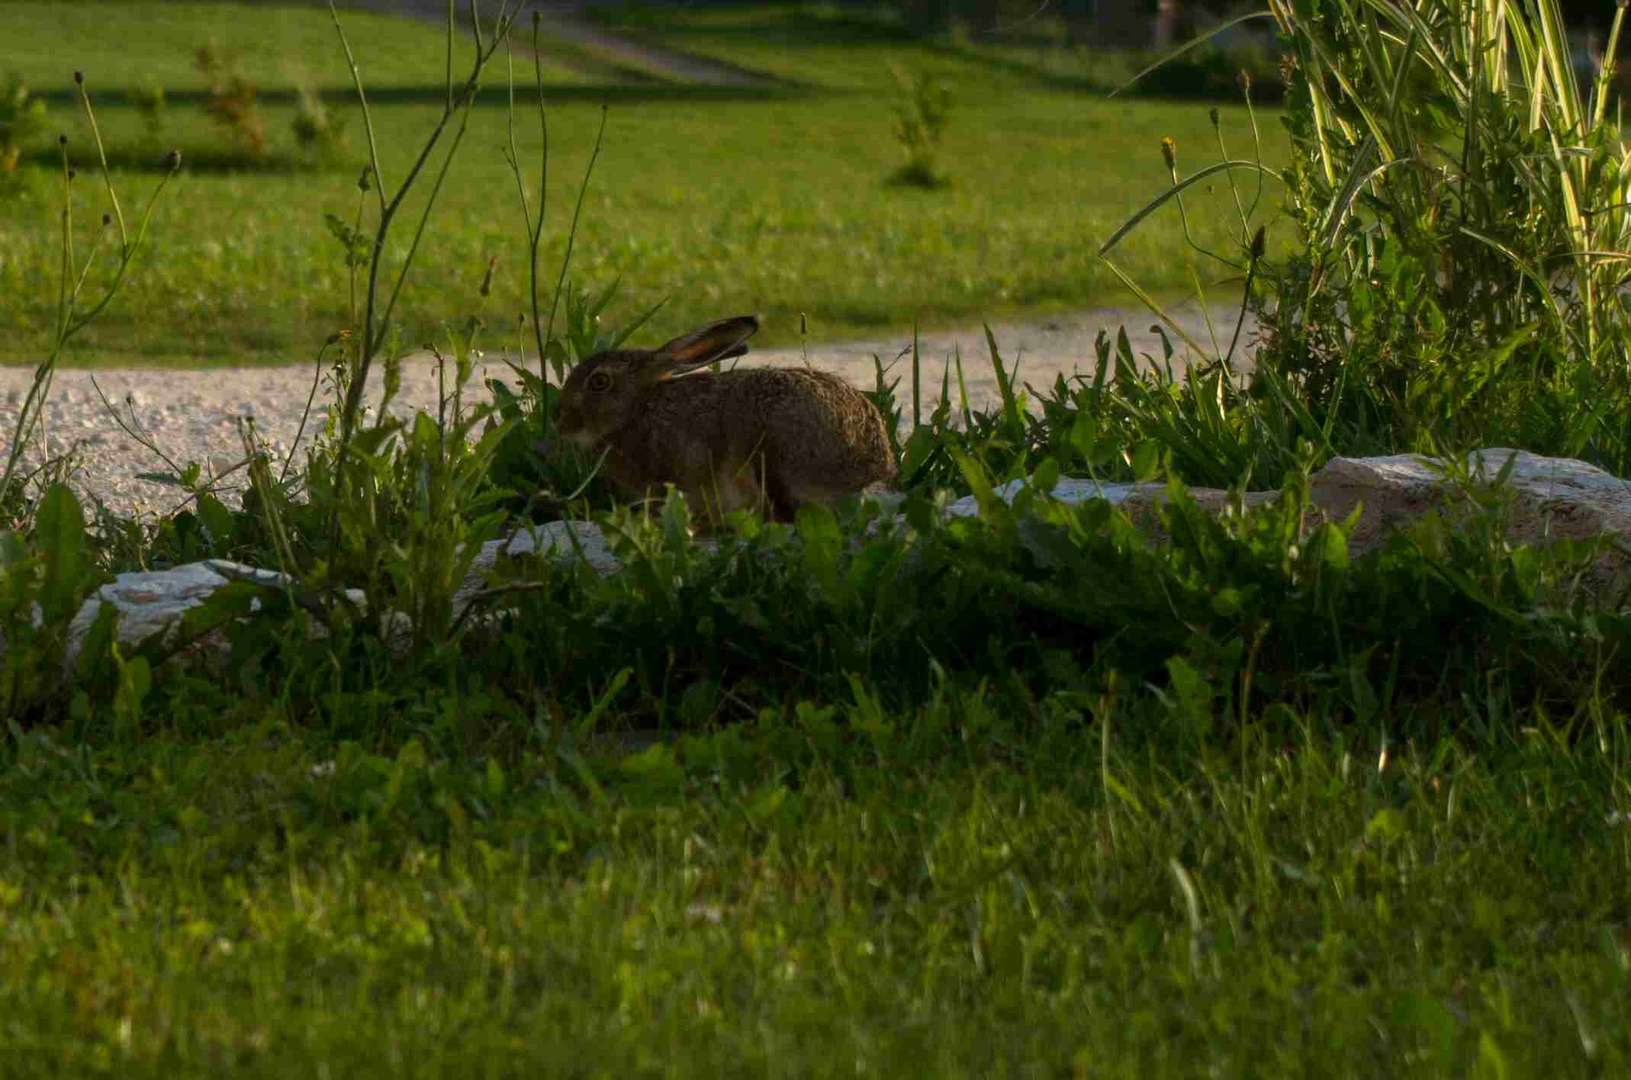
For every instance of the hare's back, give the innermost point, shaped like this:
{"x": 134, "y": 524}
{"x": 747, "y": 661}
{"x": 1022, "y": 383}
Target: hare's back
{"x": 799, "y": 400}
{"x": 814, "y": 426}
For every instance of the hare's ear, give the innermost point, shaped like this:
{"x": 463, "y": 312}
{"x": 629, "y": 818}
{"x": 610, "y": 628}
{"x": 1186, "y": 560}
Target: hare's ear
{"x": 716, "y": 341}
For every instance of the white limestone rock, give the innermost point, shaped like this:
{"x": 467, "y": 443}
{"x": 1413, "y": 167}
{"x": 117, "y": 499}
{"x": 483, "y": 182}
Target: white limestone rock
{"x": 563, "y": 540}
{"x": 1551, "y": 498}
{"x": 151, "y": 603}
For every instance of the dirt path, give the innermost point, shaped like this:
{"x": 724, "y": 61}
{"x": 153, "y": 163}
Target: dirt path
{"x": 1043, "y": 349}
{"x": 194, "y": 415}
{"x": 566, "y": 22}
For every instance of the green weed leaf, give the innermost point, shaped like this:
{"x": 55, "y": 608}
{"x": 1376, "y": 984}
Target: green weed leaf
{"x": 59, "y": 533}
{"x": 1145, "y": 460}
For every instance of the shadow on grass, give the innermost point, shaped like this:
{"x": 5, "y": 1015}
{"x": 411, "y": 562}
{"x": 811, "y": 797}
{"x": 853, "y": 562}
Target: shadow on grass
{"x": 195, "y": 159}
{"x": 1179, "y": 81}
{"x": 792, "y": 28}
{"x": 632, "y": 93}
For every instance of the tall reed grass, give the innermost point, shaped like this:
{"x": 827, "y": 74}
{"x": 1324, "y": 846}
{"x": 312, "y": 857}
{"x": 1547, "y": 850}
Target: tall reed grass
{"x": 1461, "y": 199}
{"x": 1450, "y": 146}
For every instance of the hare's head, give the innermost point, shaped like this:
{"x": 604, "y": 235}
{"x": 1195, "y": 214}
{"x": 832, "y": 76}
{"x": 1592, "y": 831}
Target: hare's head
{"x": 602, "y": 394}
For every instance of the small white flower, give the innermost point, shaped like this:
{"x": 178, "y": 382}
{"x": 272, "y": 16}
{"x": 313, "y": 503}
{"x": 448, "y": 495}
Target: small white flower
{"x": 705, "y": 913}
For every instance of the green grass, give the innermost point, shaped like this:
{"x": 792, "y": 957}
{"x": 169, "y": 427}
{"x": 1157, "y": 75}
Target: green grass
{"x": 953, "y": 896}
{"x": 124, "y": 45}
{"x": 772, "y": 203}
{"x": 1040, "y": 791}
{"x": 853, "y": 48}
{"x": 810, "y": 45}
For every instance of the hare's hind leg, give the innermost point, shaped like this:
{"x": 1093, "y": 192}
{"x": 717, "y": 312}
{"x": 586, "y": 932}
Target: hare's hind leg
{"x": 792, "y": 479}
{"x": 789, "y": 492}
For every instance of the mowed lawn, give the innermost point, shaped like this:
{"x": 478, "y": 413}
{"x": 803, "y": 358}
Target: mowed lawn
{"x": 716, "y": 200}
{"x": 957, "y": 894}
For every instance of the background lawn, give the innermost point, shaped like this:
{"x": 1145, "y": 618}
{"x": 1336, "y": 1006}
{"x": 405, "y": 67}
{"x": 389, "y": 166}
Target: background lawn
{"x": 719, "y": 200}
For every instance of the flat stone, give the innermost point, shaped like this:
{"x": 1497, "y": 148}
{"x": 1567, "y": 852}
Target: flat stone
{"x": 149, "y": 602}
{"x": 152, "y": 603}
{"x": 1550, "y": 498}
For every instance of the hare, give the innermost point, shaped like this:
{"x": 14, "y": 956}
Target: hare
{"x": 768, "y": 438}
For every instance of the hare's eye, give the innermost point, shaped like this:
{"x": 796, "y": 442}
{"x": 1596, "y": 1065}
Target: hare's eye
{"x": 600, "y": 381}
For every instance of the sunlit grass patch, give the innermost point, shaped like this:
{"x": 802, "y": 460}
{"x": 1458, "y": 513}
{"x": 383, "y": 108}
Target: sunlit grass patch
{"x": 766, "y": 202}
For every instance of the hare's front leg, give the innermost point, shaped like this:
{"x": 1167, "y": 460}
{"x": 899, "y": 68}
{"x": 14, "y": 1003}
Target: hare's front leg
{"x": 726, "y": 489}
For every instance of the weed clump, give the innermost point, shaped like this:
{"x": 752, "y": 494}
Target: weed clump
{"x": 318, "y": 132}
{"x": 231, "y": 100}
{"x": 22, "y": 119}
{"x": 149, "y": 101}
{"x": 922, "y": 108}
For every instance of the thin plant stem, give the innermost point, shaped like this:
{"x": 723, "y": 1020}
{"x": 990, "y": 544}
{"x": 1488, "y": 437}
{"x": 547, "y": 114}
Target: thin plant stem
{"x": 424, "y": 218}
{"x": 134, "y": 430}
{"x": 128, "y": 255}
{"x": 543, "y": 195}
{"x": 68, "y": 323}
{"x": 102, "y": 156}
{"x": 305, "y": 414}
{"x": 376, "y": 322}
{"x": 362, "y": 98}
{"x": 1245, "y": 299}
{"x": 572, "y": 232}
{"x": 917, "y": 383}
{"x": 534, "y": 226}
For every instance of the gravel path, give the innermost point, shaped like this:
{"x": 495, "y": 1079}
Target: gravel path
{"x": 564, "y": 20}
{"x": 192, "y": 415}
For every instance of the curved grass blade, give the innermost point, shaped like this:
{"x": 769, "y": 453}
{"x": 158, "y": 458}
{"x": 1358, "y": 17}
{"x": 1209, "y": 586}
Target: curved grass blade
{"x": 1194, "y": 43}
{"x": 1175, "y": 190}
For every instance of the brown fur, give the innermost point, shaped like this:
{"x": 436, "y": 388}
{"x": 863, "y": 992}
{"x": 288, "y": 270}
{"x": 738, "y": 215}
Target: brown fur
{"x": 769, "y": 438}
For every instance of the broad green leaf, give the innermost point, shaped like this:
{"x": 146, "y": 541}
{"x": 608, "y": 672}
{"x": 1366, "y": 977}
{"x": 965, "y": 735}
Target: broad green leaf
{"x": 217, "y": 521}
{"x": 1432, "y": 1019}
{"x": 823, "y": 540}
{"x": 1333, "y": 547}
{"x": 135, "y": 680}
{"x": 1386, "y": 825}
{"x": 59, "y": 534}
{"x": 1046, "y": 476}
{"x": 1145, "y": 460}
